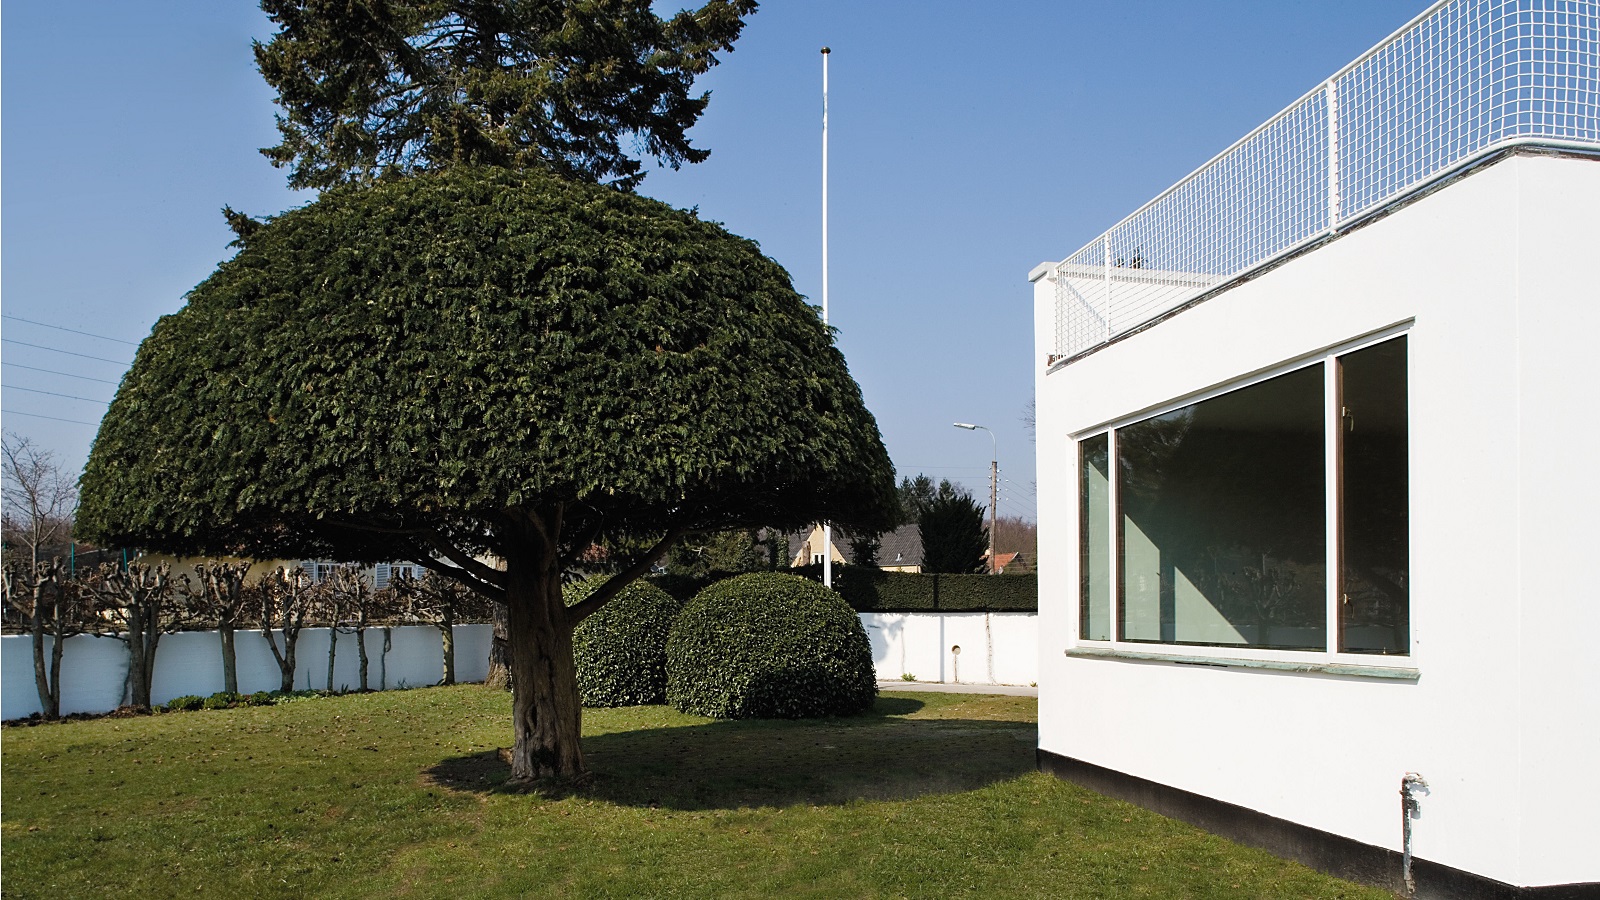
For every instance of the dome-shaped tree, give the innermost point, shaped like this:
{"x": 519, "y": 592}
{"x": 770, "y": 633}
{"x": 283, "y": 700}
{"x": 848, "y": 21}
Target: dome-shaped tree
{"x": 621, "y": 651}
{"x": 769, "y": 646}
{"x": 482, "y": 364}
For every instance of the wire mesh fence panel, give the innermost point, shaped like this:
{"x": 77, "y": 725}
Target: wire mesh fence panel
{"x": 1462, "y": 80}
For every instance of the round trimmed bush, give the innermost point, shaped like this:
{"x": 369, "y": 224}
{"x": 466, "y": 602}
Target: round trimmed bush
{"x": 769, "y": 646}
{"x": 621, "y": 650}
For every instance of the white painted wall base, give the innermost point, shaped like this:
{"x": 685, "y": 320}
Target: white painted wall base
{"x": 94, "y": 670}
{"x": 996, "y": 648}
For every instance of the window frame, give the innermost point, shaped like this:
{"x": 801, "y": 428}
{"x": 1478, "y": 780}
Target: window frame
{"x": 1330, "y": 658}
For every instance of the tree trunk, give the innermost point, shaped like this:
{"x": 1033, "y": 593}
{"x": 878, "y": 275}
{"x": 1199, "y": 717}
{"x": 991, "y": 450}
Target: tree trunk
{"x": 447, "y": 636}
{"x": 288, "y": 663}
{"x": 147, "y": 672}
{"x": 230, "y": 660}
{"x": 58, "y": 646}
{"x": 138, "y": 685}
{"x": 361, "y": 645}
{"x": 547, "y": 718}
{"x": 285, "y": 659}
{"x": 333, "y": 644}
{"x": 499, "y": 652}
{"x": 41, "y": 677}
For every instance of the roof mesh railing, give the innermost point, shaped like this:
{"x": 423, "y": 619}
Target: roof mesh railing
{"x": 1462, "y": 80}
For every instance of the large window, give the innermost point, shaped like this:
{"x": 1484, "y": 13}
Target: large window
{"x": 1213, "y": 526}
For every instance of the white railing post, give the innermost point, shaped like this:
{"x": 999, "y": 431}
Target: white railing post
{"x": 1105, "y": 311}
{"x": 1333, "y": 154}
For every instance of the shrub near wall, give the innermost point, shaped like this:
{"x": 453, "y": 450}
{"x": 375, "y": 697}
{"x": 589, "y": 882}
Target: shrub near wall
{"x": 874, "y": 590}
{"x": 621, "y": 650}
{"x": 769, "y": 646}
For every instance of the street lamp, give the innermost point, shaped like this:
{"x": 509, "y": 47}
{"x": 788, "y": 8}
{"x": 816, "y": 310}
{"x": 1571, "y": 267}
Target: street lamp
{"x": 994, "y": 490}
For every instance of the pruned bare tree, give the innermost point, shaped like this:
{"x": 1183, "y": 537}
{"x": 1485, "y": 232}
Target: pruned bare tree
{"x": 286, "y": 597}
{"x": 39, "y": 497}
{"x": 49, "y": 604}
{"x": 440, "y": 602}
{"x": 224, "y": 600}
{"x": 147, "y": 603}
{"x": 352, "y": 598}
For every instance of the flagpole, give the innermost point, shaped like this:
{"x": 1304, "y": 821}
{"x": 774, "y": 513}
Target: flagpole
{"x": 827, "y": 529}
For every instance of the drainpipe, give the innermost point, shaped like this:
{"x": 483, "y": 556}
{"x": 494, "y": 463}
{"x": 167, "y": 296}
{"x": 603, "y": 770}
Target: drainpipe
{"x": 1410, "y": 808}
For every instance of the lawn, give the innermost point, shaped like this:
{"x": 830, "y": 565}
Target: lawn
{"x": 397, "y": 794}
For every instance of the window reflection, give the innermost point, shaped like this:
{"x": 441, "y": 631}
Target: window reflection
{"x": 1374, "y": 609}
{"x": 1094, "y": 523}
{"x": 1222, "y": 525}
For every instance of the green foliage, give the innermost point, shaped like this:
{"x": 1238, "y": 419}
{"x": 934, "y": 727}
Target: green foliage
{"x": 555, "y": 84}
{"x": 954, "y": 538}
{"x": 621, "y": 651}
{"x": 186, "y": 703}
{"x": 874, "y": 590}
{"x": 769, "y": 646}
{"x": 864, "y": 547}
{"x": 731, "y": 551}
{"x": 221, "y": 700}
{"x": 409, "y": 360}
{"x": 915, "y": 495}
{"x": 260, "y": 698}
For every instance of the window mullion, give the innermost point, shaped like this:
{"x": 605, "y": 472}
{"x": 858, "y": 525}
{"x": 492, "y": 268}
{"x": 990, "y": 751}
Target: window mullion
{"x": 1114, "y": 546}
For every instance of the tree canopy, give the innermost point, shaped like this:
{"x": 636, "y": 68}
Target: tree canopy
{"x": 368, "y": 86}
{"x": 954, "y": 538}
{"x": 481, "y": 363}
{"x": 391, "y": 368}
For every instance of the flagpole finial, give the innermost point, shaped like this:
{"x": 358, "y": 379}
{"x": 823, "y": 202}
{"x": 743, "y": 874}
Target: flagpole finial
{"x": 826, "y": 51}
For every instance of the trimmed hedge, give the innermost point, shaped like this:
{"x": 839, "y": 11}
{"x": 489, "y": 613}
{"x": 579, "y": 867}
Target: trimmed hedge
{"x": 874, "y": 590}
{"x": 769, "y": 646}
{"x": 621, "y": 650}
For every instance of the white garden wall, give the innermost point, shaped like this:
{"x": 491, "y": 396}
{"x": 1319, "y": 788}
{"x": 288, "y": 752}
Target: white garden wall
{"x": 94, "y": 670}
{"x": 1495, "y": 279}
{"x": 995, "y": 648}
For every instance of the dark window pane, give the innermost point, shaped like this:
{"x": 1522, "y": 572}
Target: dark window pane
{"x": 1094, "y": 543}
{"x": 1222, "y": 520}
{"x": 1374, "y": 612}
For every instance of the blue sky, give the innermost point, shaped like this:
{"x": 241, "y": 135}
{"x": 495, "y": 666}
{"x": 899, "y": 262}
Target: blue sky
{"x": 969, "y": 142}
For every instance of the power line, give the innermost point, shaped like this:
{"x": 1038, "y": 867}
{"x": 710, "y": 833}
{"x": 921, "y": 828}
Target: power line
{"x": 12, "y": 412}
{"x": 116, "y": 362}
{"x": 64, "y": 374}
{"x": 12, "y": 387}
{"x": 71, "y": 330}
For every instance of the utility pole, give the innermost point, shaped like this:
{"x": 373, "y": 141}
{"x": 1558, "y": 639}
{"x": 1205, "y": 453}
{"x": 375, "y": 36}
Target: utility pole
{"x": 994, "y": 492}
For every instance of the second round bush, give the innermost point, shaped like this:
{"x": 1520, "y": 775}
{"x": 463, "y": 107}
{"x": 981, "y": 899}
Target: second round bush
{"x": 621, "y": 650}
{"x": 769, "y": 646}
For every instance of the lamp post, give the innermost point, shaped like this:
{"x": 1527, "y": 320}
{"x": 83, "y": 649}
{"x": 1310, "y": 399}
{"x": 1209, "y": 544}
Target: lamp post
{"x": 994, "y": 490}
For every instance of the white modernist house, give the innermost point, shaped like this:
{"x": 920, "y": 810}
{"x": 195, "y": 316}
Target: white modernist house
{"x": 1319, "y": 472}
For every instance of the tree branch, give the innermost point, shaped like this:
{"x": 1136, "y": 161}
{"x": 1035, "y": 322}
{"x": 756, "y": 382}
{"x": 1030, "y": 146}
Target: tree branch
{"x": 463, "y": 560}
{"x": 493, "y": 592}
{"x": 580, "y": 611}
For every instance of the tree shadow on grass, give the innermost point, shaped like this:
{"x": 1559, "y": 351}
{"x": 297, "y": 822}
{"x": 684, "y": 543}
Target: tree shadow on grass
{"x": 818, "y": 762}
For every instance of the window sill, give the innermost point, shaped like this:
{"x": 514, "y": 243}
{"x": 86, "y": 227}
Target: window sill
{"x": 1390, "y": 673}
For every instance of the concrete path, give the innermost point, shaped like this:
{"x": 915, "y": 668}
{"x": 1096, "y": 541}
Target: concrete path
{"x": 898, "y": 686}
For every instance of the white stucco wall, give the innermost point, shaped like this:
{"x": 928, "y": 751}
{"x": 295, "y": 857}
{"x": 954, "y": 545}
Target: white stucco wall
{"x": 1497, "y": 276}
{"x": 996, "y": 648}
{"x": 94, "y": 670}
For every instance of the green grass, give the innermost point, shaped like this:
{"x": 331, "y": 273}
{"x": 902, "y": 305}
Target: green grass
{"x": 397, "y": 794}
